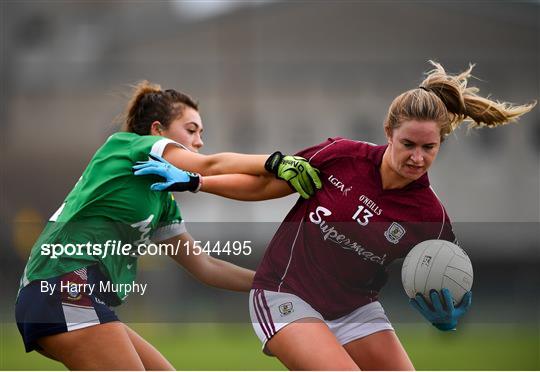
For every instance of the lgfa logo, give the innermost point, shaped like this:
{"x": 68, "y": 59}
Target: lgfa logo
{"x": 339, "y": 185}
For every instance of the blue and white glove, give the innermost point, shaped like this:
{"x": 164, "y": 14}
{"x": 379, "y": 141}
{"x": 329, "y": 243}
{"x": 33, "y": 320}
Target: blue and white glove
{"x": 443, "y": 316}
{"x": 175, "y": 179}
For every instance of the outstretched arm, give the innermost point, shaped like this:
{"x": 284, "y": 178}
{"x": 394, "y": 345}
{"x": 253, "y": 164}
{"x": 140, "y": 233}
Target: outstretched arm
{"x": 246, "y": 187}
{"x": 209, "y": 270}
{"x": 222, "y": 163}
{"x": 301, "y": 176}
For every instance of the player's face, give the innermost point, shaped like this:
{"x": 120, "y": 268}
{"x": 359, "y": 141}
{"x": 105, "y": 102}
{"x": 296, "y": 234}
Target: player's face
{"x": 186, "y": 130}
{"x": 413, "y": 147}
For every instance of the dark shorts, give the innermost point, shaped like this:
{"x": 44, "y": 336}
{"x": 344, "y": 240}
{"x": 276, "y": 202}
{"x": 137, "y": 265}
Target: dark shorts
{"x": 40, "y": 311}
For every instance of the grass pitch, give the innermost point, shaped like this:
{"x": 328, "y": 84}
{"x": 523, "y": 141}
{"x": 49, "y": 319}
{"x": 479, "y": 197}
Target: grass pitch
{"x": 235, "y": 347}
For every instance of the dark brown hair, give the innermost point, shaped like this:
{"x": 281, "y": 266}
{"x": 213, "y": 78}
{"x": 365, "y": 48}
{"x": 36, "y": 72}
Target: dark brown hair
{"x": 149, "y": 103}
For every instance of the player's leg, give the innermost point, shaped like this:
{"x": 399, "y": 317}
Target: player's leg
{"x": 369, "y": 338}
{"x": 151, "y": 358}
{"x": 379, "y": 351}
{"x": 73, "y": 327}
{"x": 99, "y": 347}
{"x": 292, "y": 330}
{"x": 308, "y": 344}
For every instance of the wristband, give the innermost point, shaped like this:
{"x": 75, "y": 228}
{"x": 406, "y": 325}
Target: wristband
{"x": 272, "y": 163}
{"x": 198, "y": 188}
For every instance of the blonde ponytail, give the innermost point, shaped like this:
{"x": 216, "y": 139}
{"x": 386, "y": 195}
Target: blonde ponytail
{"x": 465, "y": 105}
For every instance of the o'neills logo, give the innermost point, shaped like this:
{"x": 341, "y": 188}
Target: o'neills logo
{"x": 370, "y": 204}
{"x": 330, "y": 233}
{"x": 339, "y": 185}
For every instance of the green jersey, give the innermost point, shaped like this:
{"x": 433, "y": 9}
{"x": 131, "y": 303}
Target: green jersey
{"x": 108, "y": 208}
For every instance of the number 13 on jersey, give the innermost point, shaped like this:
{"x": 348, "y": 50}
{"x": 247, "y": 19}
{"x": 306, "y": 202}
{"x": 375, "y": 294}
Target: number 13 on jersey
{"x": 362, "y": 215}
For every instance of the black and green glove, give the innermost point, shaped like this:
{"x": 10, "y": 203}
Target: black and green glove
{"x": 296, "y": 171}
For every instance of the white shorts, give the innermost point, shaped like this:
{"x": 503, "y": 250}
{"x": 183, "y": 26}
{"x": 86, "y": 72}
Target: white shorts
{"x": 271, "y": 311}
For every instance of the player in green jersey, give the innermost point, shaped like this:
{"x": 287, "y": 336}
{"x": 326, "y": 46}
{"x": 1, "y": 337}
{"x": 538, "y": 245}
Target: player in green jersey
{"x": 86, "y": 258}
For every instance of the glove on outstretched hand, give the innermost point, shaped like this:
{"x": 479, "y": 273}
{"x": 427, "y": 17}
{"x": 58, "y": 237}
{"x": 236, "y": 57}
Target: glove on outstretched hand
{"x": 175, "y": 179}
{"x": 296, "y": 171}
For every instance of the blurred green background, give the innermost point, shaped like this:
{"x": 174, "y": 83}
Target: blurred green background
{"x": 210, "y": 346}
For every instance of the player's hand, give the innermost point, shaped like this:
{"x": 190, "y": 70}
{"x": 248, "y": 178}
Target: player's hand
{"x": 296, "y": 171}
{"x": 442, "y": 314}
{"x": 175, "y": 179}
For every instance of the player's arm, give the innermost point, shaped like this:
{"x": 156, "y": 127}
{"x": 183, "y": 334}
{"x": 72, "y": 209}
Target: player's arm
{"x": 207, "y": 269}
{"x": 246, "y": 187}
{"x": 293, "y": 169}
{"x": 301, "y": 176}
{"x": 222, "y": 163}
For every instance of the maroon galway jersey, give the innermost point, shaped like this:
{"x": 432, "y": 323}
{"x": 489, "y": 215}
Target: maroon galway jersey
{"x": 332, "y": 250}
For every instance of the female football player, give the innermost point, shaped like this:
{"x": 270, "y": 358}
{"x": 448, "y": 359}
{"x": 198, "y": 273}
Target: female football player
{"x": 314, "y": 302}
{"x": 80, "y": 265}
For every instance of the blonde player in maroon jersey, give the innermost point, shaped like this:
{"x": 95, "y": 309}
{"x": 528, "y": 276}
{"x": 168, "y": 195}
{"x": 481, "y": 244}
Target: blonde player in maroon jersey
{"x": 314, "y": 302}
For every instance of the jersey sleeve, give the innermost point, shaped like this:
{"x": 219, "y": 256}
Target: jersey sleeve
{"x": 155, "y": 145}
{"x": 170, "y": 223}
{"x": 435, "y": 216}
{"x": 447, "y": 232}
